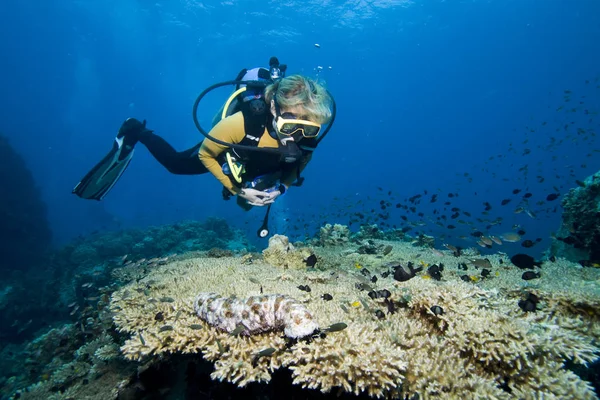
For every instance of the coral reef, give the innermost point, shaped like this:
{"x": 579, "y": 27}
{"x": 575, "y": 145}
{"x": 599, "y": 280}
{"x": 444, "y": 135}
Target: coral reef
{"x": 149, "y": 243}
{"x": 578, "y": 238}
{"x": 283, "y": 254}
{"x": 25, "y": 233}
{"x": 71, "y": 367}
{"x": 76, "y": 271}
{"x": 369, "y": 232}
{"x": 216, "y": 252}
{"x": 334, "y": 235}
{"x": 443, "y": 338}
{"x": 404, "y": 321}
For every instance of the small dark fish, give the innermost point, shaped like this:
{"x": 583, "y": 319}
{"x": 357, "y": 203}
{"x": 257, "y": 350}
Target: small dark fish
{"x": 142, "y": 339}
{"x": 465, "y": 278}
{"x": 524, "y": 261}
{"x": 327, "y": 297}
{"x": 552, "y": 258}
{"x": 304, "y": 288}
{"x": 481, "y": 262}
{"x": 552, "y": 196}
{"x": 263, "y": 353}
{"x": 527, "y": 243}
{"x": 580, "y": 183}
{"x": 530, "y": 275}
{"x": 160, "y": 316}
{"x": 196, "y": 327}
{"x": 485, "y": 273}
{"x": 311, "y": 260}
{"x": 167, "y": 299}
{"x": 362, "y": 286}
{"x": 373, "y": 279}
{"x": 451, "y": 227}
{"x": 220, "y": 346}
{"x": 437, "y": 310}
{"x": 516, "y": 191}
{"x": 530, "y": 303}
{"x": 165, "y": 328}
{"x": 340, "y": 326}
{"x": 379, "y": 314}
{"x": 435, "y": 271}
{"x": 387, "y": 250}
{"x": 505, "y": 202}
{"x": 238, "y": 329}
{"x": 379, "y": 294}
{"x": 403, "y": 274}
{"x": 527, "y": 195}
{"x": 391, "y": 307}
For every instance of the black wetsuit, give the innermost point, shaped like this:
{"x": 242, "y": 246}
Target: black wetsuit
{"x": 184, "y": 162}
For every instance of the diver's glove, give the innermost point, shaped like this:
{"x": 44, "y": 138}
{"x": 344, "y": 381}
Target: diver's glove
{"x": 255, "y": 197}
{"x": 132, "y": 130}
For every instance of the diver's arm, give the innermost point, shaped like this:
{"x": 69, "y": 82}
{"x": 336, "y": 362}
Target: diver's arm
{"x": 230, "y": 130}
{"x": 292, "y": 175}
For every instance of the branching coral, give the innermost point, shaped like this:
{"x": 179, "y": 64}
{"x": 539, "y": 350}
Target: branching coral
{"x": 437, "y": 339}
{"x": 334, "y": 235}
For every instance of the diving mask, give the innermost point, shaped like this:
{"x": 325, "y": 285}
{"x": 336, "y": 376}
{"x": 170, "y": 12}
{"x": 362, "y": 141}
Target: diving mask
{"x": 289, "y": 125}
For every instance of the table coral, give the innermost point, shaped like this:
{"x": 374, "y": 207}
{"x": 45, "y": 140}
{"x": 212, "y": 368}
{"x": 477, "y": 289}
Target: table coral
{"x": 481, "y": 346}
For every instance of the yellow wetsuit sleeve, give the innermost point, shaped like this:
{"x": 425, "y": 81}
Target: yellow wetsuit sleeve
{"x": 291, "y": 176}
{"x": 230, "y": 130}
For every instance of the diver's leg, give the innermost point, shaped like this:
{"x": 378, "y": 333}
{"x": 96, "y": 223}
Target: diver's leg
{"x": 181, "y": 163}
{"x": 177, "y": 162}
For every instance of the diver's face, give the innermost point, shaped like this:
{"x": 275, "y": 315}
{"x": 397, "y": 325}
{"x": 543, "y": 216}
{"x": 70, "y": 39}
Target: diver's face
{"x": 286, "y": 113}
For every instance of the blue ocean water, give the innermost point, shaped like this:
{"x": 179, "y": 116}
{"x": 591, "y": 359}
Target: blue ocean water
{"x": 446, "y": 97}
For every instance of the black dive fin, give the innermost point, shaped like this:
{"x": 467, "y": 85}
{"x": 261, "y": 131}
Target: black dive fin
{"x": 98, "y": 182}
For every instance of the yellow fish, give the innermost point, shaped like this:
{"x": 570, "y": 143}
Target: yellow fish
{"x": 357, "y": 265}
{"x": 355, "y": 304}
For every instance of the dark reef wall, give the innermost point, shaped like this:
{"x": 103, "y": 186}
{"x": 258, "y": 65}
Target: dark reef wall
{"x": 25, "y": 235}
{"x": 578, "y": 238}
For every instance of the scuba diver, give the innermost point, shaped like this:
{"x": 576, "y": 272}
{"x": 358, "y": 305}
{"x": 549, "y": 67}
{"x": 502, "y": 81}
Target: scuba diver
{"x": 260, "y": 141}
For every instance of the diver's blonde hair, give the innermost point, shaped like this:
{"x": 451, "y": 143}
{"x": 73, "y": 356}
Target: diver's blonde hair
{"x": 299, "y": 91}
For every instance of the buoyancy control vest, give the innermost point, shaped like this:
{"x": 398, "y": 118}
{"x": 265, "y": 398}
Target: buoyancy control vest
{"x": 252, "y": 166}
